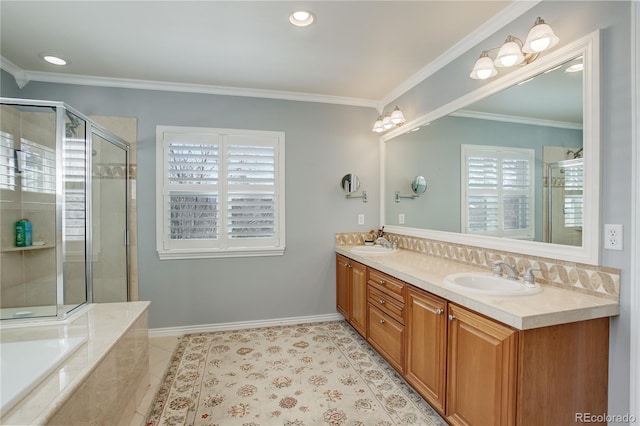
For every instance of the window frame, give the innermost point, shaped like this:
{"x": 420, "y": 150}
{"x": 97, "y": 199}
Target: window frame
{"x": 499, "y": 152}
{"x": 222, "y": 246}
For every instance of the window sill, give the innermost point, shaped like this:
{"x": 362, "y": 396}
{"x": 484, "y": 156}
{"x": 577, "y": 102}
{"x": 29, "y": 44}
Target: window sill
{"x": 214, "y": 253}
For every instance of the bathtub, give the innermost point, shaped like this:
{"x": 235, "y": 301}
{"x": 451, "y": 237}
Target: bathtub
{"x": 71, "y": 371}
{"x": 24, "y": 365}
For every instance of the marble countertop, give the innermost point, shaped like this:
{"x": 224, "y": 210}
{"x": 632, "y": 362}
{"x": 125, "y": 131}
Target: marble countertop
{"x": 102, "y": 324}
{"x": 550, "y": 307}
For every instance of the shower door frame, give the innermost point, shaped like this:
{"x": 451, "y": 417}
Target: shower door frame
{"x": 91, "y": 128}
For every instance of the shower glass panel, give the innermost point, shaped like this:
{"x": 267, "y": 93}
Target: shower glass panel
{"x": 28, "y": 271}
{"x": 109, "y": 228}
{"x": 74, "y": 216}
{"x": 565, "y": 203}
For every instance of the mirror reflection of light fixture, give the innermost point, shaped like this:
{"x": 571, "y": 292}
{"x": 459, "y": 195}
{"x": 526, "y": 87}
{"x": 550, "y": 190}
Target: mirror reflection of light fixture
{"x": 418, "y": 186}
{"x": 514, "y": 52}
{"x": 350, "y": 183}
{"x": 389, "y": 121}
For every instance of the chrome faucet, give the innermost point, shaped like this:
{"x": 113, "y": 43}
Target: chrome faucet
{"x": 511, "y": 271}
{"x": 384, "y": 242}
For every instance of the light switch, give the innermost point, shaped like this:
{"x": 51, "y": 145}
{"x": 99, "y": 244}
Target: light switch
{"x": 360, "y": 219}
{"x": 401, "y": 219}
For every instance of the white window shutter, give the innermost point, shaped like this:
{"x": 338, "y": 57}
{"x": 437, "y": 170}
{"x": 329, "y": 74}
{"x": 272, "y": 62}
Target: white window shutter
{"x": 223, "y": 193}
{"x": 497, "y": 191}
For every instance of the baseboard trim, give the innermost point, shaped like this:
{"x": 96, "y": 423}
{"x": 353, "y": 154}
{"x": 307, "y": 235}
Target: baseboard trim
{"x": 207, "y": 328}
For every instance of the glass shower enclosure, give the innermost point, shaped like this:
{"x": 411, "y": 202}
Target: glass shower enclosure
{"x": 565, "y": 202}
{"x": 64, "y": 191}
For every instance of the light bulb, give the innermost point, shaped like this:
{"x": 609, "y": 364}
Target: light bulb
{"x": 377, "y": 126}
{"x": 540, "y": 38}
{"x": 510, "y": 53}
{"x": 483, "y": 68}
{"x": 301, "y": 18}
{"x": 397, "y": 117}
{"x": 386, "y": 122}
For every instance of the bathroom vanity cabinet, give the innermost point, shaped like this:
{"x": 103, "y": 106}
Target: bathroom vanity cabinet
{"x": 351, "y": 292}
{"x": 475, "y": 370}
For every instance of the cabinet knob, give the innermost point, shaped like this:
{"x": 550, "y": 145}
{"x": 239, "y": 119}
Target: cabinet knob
{"x": 381, "y": 321}
{"x": 348, "y": 266}
{"x": 451, "y": 317}
{"x": 382, "y": 282}
{"x": 381, "y": 302}
{"x": 439, "y": 311}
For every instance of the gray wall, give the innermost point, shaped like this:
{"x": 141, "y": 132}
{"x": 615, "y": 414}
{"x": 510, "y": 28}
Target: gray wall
{"x": 434, "y": 152}
{"x": 571, "y": 21}
{"x": 323, "y": 142}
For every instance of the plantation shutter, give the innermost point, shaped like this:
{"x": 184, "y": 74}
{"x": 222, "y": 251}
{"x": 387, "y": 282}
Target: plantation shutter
{"x": 39, "y": 168}
{"x": 251, "y": 180}
{"x": 222, "y": 193}
{"x": 191, "y": 190}
{"x": 573, "y": 197}
{"x": 74, "y": 193}
{"x": 498, "y": 191}
{"x": 7, "y": 162}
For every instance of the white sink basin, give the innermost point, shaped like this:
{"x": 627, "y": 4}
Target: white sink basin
{"x": 488, "y": 284}
{"x": 372, "y": 250}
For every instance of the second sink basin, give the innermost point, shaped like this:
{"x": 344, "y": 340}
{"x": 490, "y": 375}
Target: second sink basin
{"x": 372, "y": 250}
{"x": 489, "y": 284}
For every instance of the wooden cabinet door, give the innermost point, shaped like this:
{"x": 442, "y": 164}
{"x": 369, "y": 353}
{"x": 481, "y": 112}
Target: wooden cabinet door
{"x": 386, "y": 335}
{"x": 342, "y": 285}
{"x": 358, "y": 297}
{"x": 481, "y": 378}
{"x": 426, "y": 328}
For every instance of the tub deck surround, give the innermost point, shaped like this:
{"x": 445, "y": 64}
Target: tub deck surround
{"x": 100, "y": 380}
{"x": 552, "y": 306}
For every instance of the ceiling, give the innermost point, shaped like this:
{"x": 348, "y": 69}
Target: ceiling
{"x": 362, "y": 50}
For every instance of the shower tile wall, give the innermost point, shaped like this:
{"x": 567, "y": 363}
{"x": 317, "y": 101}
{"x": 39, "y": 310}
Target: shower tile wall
{"x": 28, "y": 278}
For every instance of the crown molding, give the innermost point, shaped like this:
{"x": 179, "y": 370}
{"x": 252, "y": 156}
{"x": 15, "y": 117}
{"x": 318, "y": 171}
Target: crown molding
{"x": 506, "y": 16}
{"x": 18, "y": 73}
{"x": 23, "y": 77}
{"x": 516, "y": 119}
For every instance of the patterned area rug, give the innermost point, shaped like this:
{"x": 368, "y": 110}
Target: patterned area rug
{"x": 311, "y": 374}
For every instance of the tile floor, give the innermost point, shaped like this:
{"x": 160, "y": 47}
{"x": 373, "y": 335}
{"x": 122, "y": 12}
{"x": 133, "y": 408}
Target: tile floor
{"x": 160, "y": 352}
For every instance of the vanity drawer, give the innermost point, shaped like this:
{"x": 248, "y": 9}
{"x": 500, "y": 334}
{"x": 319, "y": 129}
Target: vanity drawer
{"x": 387, "y": 304}
{"x": 387, "y": 284}
{"x": 386, "y": 335}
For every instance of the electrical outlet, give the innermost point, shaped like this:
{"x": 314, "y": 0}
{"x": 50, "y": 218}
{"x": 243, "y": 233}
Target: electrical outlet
{"x": 401, "y": 219}
{"x": 613, "y": 237}
{"x": 360, "y": 219}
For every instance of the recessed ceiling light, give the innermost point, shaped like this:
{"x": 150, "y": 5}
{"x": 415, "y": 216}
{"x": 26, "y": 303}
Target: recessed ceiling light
{"x": 575, "y": 68}
{"x": 55, "y": 60}
{"x": 301, "y": 18}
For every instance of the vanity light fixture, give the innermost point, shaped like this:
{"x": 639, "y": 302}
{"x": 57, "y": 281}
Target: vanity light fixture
{"x": 55, "y": 60}
{"x": 389, "y": 121}
{"x": 514, "y": 52}
{"x": 302, "y": 18}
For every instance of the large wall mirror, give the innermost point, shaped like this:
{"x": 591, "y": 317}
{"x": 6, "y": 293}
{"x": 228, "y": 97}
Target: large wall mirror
{"x": 511, "y": 166}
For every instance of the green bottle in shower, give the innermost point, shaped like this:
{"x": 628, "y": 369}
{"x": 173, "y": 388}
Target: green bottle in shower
{"x": 23, "y": 233}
